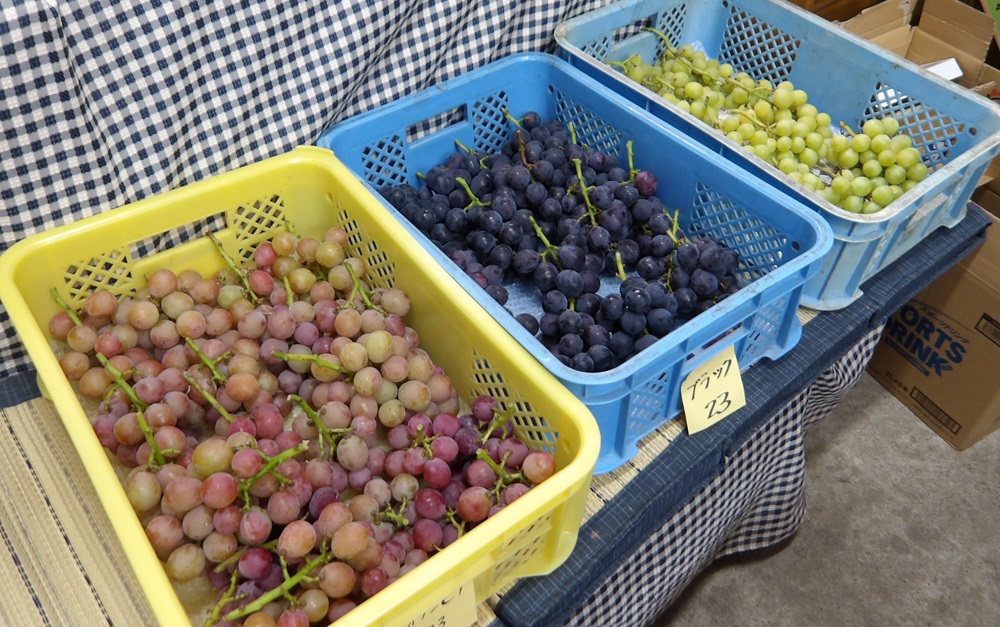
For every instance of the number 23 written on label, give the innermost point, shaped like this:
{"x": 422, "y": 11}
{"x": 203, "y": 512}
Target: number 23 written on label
{"x": 712, "y": 391}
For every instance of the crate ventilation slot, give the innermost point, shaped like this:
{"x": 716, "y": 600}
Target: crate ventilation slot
{"x": 383, "y": 163}
{"x": 757, "y": 48}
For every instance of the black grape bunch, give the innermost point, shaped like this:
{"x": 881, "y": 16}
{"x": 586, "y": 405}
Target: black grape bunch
{"x": 609, "y": 267}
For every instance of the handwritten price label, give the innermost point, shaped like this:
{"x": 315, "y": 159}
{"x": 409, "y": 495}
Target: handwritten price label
{"x": 456, "y": 610}
{"x": 713, "y": 391}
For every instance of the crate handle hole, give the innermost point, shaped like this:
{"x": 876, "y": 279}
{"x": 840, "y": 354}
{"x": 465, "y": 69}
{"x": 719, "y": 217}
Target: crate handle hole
{"x": 436, "y": 123}
{"x": 796, "y": 246}
{"x": 973, "y": 131}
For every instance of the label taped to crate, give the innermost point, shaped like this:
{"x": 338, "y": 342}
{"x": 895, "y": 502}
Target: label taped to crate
{"x": 713, "y": 391}
{"x": 458, "y": 609}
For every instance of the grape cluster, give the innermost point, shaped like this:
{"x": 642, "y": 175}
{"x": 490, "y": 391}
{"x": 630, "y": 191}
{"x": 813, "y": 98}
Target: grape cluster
{"x": 280, "y": 426}
{"x": 860, "y": 171}
{"x": 606, "y": 264}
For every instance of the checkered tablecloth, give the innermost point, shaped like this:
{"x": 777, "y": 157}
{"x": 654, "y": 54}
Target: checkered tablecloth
{"x": 105, "y": 103}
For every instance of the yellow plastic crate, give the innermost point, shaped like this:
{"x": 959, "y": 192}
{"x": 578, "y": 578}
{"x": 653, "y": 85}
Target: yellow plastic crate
{"x": 310, "y": 188}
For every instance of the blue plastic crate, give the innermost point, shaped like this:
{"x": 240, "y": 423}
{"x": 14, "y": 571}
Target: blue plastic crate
{"x": 853, "y": 80}
{"x": 781, "y": 242}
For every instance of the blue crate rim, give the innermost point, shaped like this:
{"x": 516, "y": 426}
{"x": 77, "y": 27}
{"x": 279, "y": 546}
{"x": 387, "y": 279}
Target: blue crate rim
{"x": 808, "y": 259}
{"x": 901, "y": 210}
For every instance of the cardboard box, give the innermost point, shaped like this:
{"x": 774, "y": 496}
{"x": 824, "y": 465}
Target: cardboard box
{"x": 940, "y": 353}
{"x": 945, "y": 29}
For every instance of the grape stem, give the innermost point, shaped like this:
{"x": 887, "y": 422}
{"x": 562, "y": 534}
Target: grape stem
{"x": 235, "y": 557}
{"x": 359, "y": 288}
{"x": 121, "y": 382}
{"x": 284, "y": 590}
{"x": 451, "y": 516}
{"x": 632, "y": 171}
{"x": 462, "y": 146}
{"x": 550, "y": 250}
{"x": 504, "y": 478}
{"x": 313, "y": 359}
{"x": 156, "y": 457}
{"x": 331, "y": 437}
{"x": 69, "y": 310}
{"x": 422, "y": 439}
{"x": 475, "y": 202}
{"x": 847, "y": 127}
{"x": 499, "y": 421}
{"x": 236, "y": 268}
{"x": 572, "y": 132}
{"x": 585, "y": 192}
{"x": 289, "y": 295}
{"x": 217, "y": 376}
{"x": 269, "y": 467}
{"x": 227, "y": 596}
{"x": 397, "y": 518}
{"x": 208, "y": 397}
{"x": 620, "y": 266}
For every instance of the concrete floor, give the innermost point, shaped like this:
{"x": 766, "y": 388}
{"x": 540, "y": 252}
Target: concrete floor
{"x": 900, "y": 529}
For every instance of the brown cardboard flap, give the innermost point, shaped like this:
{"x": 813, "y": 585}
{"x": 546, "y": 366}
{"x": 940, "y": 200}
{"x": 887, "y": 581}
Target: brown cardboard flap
{"x": 880, "y": 19}
{"x": 925, "y": 48}
{"x": 896, "y": 40}
{"x": 965, "y": 28}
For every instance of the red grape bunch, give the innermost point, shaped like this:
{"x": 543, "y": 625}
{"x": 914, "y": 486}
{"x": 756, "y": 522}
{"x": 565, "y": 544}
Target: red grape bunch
{"x": 283, "y": 436}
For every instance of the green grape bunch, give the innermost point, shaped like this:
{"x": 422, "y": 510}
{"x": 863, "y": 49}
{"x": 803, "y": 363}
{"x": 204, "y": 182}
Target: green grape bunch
{"x": 859, "y": 171}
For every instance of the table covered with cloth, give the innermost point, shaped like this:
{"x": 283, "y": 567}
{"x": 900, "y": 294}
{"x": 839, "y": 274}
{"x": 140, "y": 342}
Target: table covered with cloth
{"x": 106, "y": 103}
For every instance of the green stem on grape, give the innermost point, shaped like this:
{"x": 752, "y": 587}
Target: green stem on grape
{"x": 270, "y": 464}
{"x": 632, "y": 171}
{"x": 313, "y": 359}
{"x": 359, "y": 289}
{"x": 328, "y": 436}
{"x": 475, "y": 202}
{"x": 235, "y": 557}
{"x": 463, "y": 148}
{"x": 290, "y": 227}
{"x": 423, "y": 440}
{"x": 156, "y": 458}
{"x": 847, "y": 127}
{"x": 217, "y": 376}
{"x": 585, "y": 192}
{"x": 452, "y": 518}
{"x": 550, "y": 250}
{"x": 572, "y": 133}
{"x": 676, "y": 224}
{"x": 208, "y": 397}
{"x": 824, "y": 170}
{"x": 289, "y": 294}
{"x": 499, "y": 421}
{"x": 120, "y": 381}
{"x": 623, "y": 65}
{"x": 397, "y": 518}
{"x": 746, "y": 115}
{"x": 236, "y": 268}
{"x": 506, "y": 114}
{"x": 504, "y": 478}
{"x": 421, "y": 176}
{"x": 283, "y": 590}
{"x": 227, "y": 596}
{"x": 65, "y": 307}
{"x": 619, "y": 266}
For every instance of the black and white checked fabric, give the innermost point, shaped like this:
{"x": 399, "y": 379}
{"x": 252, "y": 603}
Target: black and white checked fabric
{"x": 105, "y": 103}
{"x": 756, "y": 501}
